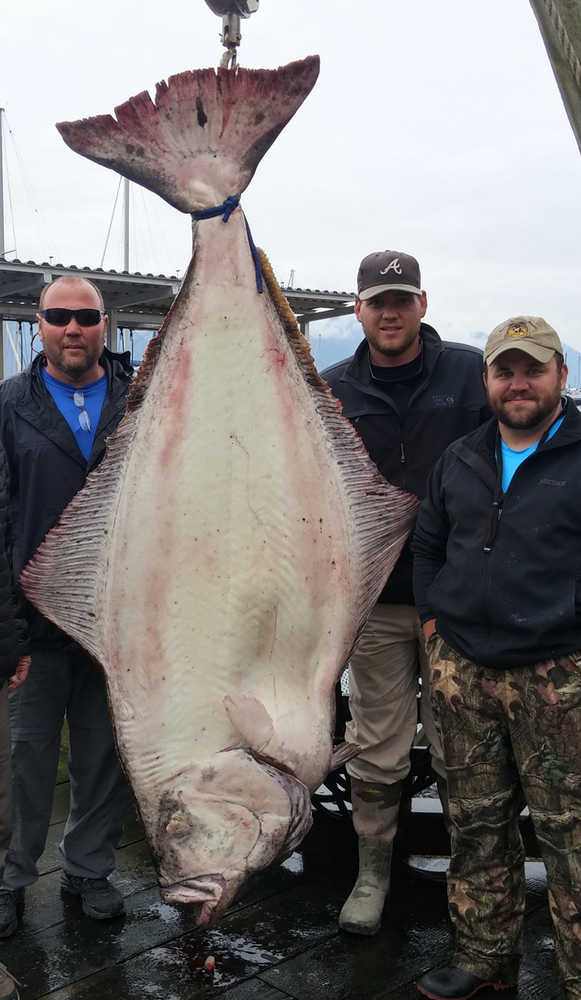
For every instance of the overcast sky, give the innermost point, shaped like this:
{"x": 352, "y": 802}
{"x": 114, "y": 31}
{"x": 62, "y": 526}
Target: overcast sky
{"x": 436, "y": 127}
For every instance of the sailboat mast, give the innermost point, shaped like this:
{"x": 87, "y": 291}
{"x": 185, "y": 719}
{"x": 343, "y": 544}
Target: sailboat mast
{"x": 125, "y": 224}
{"x": 2, "y": 243}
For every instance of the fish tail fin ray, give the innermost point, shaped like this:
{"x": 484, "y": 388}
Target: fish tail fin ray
{"x": 383, "y": 515}
{"x": 65, "y": 578}
{"x": 202, "y": 137}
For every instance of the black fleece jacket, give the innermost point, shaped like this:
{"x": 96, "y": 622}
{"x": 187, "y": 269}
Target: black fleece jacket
{"x": 46, "y": 467}
{"x": 501, "y": 572}
{"x": 448, "y": 402}
{"x": 13, "y": 630}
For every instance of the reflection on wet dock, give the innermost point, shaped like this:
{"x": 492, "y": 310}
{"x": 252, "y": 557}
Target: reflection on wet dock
{"x": 279, "y": 940}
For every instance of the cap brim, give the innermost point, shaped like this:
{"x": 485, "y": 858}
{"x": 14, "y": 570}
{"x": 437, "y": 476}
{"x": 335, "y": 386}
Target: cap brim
{"x": 542, "y": 354}
{"x": 370, "y": 293}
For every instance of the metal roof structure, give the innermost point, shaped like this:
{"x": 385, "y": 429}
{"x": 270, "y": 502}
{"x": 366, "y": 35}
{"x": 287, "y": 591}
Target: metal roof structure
{"x": 138, "y": 301}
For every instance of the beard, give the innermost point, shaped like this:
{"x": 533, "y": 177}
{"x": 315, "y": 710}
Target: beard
{"x": 532, "y": 417}
{"x": 77, "y": 364}
{"x": 395, "y": 350}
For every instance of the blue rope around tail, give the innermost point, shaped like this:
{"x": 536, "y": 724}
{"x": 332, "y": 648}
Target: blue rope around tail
{"x": 225, "y": 210}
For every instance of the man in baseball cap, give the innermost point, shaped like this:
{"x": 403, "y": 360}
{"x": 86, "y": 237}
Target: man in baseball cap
{"x": 496, "y": 578}
{"x": 530, "y": 334}
{"x": 408, "y": 394}
{"x": 524, "y": 376}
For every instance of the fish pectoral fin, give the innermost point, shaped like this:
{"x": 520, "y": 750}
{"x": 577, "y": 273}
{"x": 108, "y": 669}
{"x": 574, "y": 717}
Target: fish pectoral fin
{"x": 342, "y": 753}
{"x": 67, "y": 577}
{"x": 250, "y": 719}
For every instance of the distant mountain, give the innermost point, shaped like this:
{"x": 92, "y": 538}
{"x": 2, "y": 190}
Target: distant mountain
{"x": 573, "y": 360}
{"x": 332, "y": 340}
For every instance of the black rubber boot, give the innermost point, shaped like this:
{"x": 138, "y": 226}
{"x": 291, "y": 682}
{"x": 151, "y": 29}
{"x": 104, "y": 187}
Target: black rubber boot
{"x": 455, "y": 984}
{"x": 11, "y": 910}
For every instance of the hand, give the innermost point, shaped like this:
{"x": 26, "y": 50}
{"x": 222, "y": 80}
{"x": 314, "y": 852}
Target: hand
{"x": 20, "y": 674}
{"x": 428, "y": 628}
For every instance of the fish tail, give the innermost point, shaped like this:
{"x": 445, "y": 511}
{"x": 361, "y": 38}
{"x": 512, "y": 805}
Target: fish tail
{"x": 203, "y": 136}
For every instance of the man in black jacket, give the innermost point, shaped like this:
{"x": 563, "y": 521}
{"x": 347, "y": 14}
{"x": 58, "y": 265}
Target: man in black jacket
{"x": 14, "y": 665}
{"x": 54, "y": 419}
{"x": 409, "y": 395}
{"x": 497, "y": 581}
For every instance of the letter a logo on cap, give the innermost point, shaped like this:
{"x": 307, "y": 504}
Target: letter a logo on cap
{"x": 394, "y": 265}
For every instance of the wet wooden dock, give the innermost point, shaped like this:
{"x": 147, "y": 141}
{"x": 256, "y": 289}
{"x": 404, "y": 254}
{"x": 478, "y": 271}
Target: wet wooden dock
{"x": 279, "y": 941}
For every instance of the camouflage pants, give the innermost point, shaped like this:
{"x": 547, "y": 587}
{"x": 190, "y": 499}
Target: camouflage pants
{"x": 505, "y": 733}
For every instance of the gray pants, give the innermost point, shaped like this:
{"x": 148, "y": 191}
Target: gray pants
{"x": 64, "y": 682}
{"x": 5, "y": 771}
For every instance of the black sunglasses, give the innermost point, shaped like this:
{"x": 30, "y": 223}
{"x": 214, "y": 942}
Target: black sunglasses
{"x": 60, "y": 317}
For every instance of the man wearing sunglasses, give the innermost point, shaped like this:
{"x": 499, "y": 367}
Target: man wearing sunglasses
{"x": 54, "y": 419}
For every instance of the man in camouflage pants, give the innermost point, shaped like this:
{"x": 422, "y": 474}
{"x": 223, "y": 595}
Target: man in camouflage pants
{"x": 498, "y": 587}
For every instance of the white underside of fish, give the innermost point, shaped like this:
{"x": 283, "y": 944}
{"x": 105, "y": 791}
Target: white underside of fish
{"x": 230, "y": 545}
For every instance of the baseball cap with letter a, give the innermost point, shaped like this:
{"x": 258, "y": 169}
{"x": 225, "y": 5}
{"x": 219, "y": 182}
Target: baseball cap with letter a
{"x": 388, "y": 271}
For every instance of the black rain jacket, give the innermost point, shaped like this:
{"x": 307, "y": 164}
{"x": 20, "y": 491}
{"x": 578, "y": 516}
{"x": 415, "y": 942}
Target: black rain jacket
{"x": 13, "y": 629}
{"x": 449, "y": 401}
{"x": 501, "y": 573}
{"x": 45, "y": 464}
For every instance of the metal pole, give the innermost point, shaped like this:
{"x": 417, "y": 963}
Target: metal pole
{"x": 2, "y": 243}
{"x": 126, "y": 224}
{"x": 560, "y": 25}
{"x": 112, "y": 332}
{"x": 3, "y": 327}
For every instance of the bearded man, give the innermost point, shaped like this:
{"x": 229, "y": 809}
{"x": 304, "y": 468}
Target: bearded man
{"x": 497, "y": 579}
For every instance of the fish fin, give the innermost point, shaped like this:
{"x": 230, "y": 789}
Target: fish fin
{"x": 343, "y": 753}
{"x": 203, "y": 136}
{"x": 250, "y": 718}
{"x": 378, "y": 538}
{"x": 65, "y": 579}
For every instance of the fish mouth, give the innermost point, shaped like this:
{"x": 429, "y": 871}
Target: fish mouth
{"x": 211, "y": 893}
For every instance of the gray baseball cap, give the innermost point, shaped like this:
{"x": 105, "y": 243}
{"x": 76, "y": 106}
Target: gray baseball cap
{"x": 530, "y": 334}
{"x": 388, "y": 271}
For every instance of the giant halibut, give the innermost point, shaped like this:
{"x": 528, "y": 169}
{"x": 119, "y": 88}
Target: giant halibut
{"x": 222, "y": 560}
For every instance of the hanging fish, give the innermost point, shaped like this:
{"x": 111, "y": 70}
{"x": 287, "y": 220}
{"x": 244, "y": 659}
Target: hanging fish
{"x": 221, "y": 561}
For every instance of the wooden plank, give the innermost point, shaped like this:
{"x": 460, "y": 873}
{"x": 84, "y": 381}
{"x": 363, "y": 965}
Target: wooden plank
{"x": 414, "y": 937}
{"x": 155, "y": 951}
{"x": 539, "y": 979}
{"x": 347, "y": 967}
{"x": 45, "y": 906}
{"x": 254, "y": 989}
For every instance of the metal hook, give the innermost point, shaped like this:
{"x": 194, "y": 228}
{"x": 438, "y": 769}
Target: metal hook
{"x": 231, "y": 11}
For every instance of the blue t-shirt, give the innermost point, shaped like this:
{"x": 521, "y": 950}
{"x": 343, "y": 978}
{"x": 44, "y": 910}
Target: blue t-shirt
{"x": 511, "y": 459}
{"x": 80, "y": 406}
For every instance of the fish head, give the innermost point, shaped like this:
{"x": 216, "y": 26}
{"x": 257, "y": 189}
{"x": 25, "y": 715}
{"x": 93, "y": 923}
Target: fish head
{"x": 223, "y": 821}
